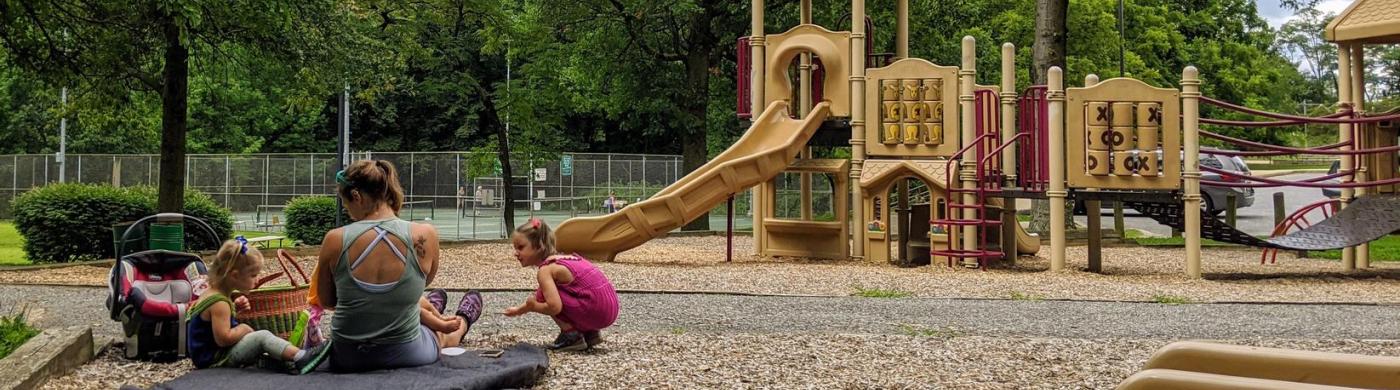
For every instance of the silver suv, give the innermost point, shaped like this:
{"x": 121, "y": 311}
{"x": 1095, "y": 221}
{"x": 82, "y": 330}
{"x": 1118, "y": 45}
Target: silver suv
{"x": 1213, "y": 197}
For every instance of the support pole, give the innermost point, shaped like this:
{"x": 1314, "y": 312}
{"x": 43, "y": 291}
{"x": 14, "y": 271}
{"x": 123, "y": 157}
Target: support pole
{"x": 729, "y": 231}
{"x": 63, "y": 137}
{"x": 1344, "y": 134}
{"x": 1191, "y": 177}
{"x": 1008, "y": 155}
{"x": 857, "y": 59}
{"x": 1093, "y": 212}
{"x": 1055, "y": 94}
{"x": 805, "y": 106}
{"x": 968, "y": 174}
{"x": 1358, "y": 101}
{"x": 343, "y": 146}
{"x": 757, "y": 41}
{"x": 901, "y": 30}
{"x": 1008, "y": 110}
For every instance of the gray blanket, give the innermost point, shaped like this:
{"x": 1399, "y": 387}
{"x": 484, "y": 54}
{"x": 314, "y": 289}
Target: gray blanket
{"x": 521, "y": 366}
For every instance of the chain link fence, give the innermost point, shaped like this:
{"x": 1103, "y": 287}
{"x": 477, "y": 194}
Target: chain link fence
{"x": 458, "y": 192}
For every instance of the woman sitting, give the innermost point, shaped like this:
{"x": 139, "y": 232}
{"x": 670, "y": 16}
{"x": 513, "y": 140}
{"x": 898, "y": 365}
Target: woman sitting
{"x": 373, "y": 272}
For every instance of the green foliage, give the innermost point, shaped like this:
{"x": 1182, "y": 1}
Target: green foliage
{"x": 310, "y": 217}
{"x": 1170, "y": 299}
{"x": 14, "y": 331}
{"x": 879, "y": 293}
{"x": 69, "y": 222}
{"x": 591, "y": 75}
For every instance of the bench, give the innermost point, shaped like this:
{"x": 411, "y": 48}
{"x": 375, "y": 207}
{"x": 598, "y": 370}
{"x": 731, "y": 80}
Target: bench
{"x": 264, "y": 241}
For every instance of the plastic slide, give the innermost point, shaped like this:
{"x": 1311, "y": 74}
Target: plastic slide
{"x": 764, "y": 151}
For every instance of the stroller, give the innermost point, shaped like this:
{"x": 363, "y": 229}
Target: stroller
{"x": 149, "y": 291}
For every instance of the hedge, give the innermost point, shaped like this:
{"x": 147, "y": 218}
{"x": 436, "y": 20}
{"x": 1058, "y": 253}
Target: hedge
{"x": 310, "y": 217}
{"x": 71, "y": 222}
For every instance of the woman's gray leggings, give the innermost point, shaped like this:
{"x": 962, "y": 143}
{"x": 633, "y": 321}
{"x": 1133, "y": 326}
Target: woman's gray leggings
{"x": 349, "y": 356}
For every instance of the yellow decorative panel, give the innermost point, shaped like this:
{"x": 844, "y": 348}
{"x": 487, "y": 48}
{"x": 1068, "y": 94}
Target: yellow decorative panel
{"x": 915, "y": 97}
{"x": 1123, "y": 134}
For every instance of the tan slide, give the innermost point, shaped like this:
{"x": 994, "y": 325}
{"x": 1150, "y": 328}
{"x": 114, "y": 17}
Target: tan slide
{"x": 764, "y": 151}
{"x": 1204, "y": 365}
{"x": 1026, "y": 243}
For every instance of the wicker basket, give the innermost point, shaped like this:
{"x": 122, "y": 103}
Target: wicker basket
{"x": 279, "y": 309}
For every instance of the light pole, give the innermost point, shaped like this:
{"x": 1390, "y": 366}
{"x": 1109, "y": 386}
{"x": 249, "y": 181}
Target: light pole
{"x": 62, "y": 134}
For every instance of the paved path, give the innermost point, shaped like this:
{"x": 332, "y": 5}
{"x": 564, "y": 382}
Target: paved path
{"x": 664, "y": 313}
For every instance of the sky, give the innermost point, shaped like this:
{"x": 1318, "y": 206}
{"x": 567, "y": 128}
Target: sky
{"x": 1277, "y": 15}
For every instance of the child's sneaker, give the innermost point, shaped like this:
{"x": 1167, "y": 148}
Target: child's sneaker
{"x": 569, "y": 341}
{"x": 593, "y": 338}
{"x": 438, "y": 298}
{"x": 311, "y": 359}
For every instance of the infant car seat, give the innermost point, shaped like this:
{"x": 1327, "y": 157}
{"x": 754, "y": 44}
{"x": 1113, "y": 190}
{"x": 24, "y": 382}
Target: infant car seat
{"x": 148, "y": 292}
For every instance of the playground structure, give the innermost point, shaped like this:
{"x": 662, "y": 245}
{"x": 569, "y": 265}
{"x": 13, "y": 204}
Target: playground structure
{"x": 975, "y": 149}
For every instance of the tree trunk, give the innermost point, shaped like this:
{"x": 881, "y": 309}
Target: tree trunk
{"x": 174, "y": 96}
{"x": 694, "y": 152}
{"x": 491, "y": 119}
{"x": 1048, "y": 51}
{"x": 1050, "y": 35}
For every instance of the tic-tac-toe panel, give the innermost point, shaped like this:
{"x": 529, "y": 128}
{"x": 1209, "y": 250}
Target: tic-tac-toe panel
{"x": 1123, "y": 134}
{"x": 912, "y": 109}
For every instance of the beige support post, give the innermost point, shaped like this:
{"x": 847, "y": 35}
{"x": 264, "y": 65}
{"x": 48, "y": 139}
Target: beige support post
{"x": 1009, "y": 224}
{"x": 857, "y": 123}
{"x": 901, "y": 30}
{"x": 1008, "y": 110}
{"x": 757, "y": 40}
{"x": 1191, "y": 172}
{"x": 1344, "y": 70}
{"x": 1055, "y": 93}
{"x": 1358, "y": 102}
{"x": 967, "y": 81}
{"x": 805, "y": 106}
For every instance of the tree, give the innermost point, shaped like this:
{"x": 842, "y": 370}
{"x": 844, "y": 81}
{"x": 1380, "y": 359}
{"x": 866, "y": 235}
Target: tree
{"x": 122, "y": 46}
{"x": 1050, "y": 36}
{"x": 659, "y": 59}
{"x": 1049, "y": 50}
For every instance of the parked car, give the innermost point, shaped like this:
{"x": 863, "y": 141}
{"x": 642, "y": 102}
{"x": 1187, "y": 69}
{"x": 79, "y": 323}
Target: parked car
{"x": 1213, "y": 199}
{"x": 1333, "y": 193}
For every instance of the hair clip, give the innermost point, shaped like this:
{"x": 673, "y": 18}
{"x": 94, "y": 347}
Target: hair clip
{"x": 242, "y": 245}
{"x": 340, "y": 178}
{"x": 535, "y": 223}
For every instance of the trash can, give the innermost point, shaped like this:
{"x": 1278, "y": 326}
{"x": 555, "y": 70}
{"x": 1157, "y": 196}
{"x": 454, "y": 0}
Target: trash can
{"x": 168, "y": 236}
{"x": 136, "y": 242}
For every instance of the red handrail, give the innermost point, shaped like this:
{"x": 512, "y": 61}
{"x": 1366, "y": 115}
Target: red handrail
{"x": 1292, "y": 221}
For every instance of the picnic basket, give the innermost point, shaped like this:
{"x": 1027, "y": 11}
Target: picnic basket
{"x": 280, "y": 309}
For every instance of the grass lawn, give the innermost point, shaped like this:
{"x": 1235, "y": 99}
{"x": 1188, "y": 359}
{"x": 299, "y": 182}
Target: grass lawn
{"x": 1142, "y": 239}
{"x": 11, "y": 245}
{"x": 1385, "y": 249}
